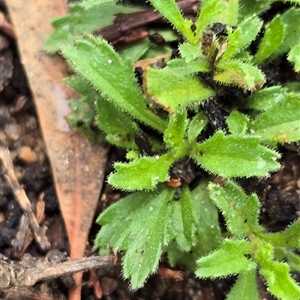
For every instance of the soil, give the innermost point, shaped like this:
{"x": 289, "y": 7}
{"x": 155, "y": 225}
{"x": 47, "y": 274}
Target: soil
{"x": 20, "y": 133}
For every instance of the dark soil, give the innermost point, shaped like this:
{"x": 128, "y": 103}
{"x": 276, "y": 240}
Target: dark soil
{"x": 19, "y": 131}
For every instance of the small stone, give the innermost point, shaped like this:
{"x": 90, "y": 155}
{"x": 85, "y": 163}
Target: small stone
{"x": 26, "y": 155}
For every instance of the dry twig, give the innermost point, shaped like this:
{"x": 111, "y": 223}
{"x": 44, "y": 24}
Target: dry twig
{"x": 131, "y": 27}
{"x": 19, "y": 193}
{"x": 13, "y": 275}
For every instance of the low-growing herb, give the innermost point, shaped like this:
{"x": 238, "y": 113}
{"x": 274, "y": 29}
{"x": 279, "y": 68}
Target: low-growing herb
{"x": 208, "y": 111}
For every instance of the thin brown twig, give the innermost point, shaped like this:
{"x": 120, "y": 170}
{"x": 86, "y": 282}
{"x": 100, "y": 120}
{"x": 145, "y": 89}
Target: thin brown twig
{"x": 18, "y": 276}
{"x": 126, "y": 26}
{"x": 22, "y": 199}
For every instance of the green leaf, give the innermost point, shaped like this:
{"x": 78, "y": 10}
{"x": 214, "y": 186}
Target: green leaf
{"x": 208, "y": 233}
{"x": 188, "y": 215}
{"x": 291, "y": 19}
{"x": 87, "y": 4}
{"x": 121, "y": 129}
{"x": 208, "y": 230}
{"x": 250, "y": 8}
{"x": 266, "y": 98}
{"x": 148, "y": 239}
{"x": 116, "y": 219}
{"x": 294, "y": 57}
{"x": 240, "y": 211}
{"x": 170, "y": 10}
{"x": 82, "y": 86}
{"x": 210, "y": 13}
{"x": 272, "y": 39}
{"x": 196, "y": 125}
{"x": 242, "y": 36}
{"x": 83, "y": 110}
{"x": 84, "y": 115}
{"x": 189, "y": 52}
{"x": 135, "y": 51}
{"x": 293, "y": 261}
{"x": 237, "y": 123}
{"x": 277, "y": 127}
{"x": 213, "y": 11}
{"x": 277, "y": 275}
{"x": 235, "y": 72}
{"x": 176, "y": 228}
{"x": 288, "y": 238}
{"x": 183, "y": 222}
{"x": 80, "y": 20}
{"x": 235, "y": 156}
{"x": 230, "y": 15}
{"x": 174, "y": 134}
{"x": 143, "y": 173}
{"x": 229, "y": 259}
{"x": 145, "y": 216}
{"x": 180, "y": 67}
{"x": 172, "y": 91}
{"x": 245, "y": 287}
{"x": 279, "y": 281}
{"x": 115, "y": 81}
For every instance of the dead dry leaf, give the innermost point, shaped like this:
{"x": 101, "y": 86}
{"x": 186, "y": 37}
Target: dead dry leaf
{"x": 77, "y": 164}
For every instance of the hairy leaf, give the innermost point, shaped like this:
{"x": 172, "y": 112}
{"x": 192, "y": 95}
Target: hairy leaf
{"x": 148, "y": 239}
{"x": 266, "y": 98}
{"x": 83, "y": 110}
{"x": 293, "y": 260}
{"x": 276, "y": 274}
{"x": 92, "y": 3}
{"x": 180, "y": 67}
{"x": 80, "y": 20}
{"x": 291, "y": 20}
{"x": 189, "y": 52}
{"x": 208, "y": 230}
{"x": 174, "y": 134}
{"x": 235, "y": 156}
{"x": 229, "y": 259}
{"x": 82, "y": 117}
{"x": 235, "y": 72}
{"x": 230, "y": 15}
{"x": 275, "y": 126}
{"x": 294, "y": 57}
{"x": 240, "y": 211}
{"x": 250, "y": 8}
{"x": 116, "y": 220}
{"x": 172, "y": 91}
{"x": 245, "y": 287}
{"x": 135, "y": 51}
{"x": 237, "y": 123}
{"x": 288, "y": 238}
{"x": 170, "y": 10}
{"x": 225, "y": 12}
{"x": 176, "y": 228}
{"x": 188, "y": 215}
{"x": 145, "y": 216}
{"x": 111, "y": 76}
{"x": 242, "y": 36}
{"x": 208, "y": 233}
{"x": 210, "y": 13}
{"x": 143, "y": 173}
{"x": 271, "y": 41}
{"x": 121, "y": 129}
{"x": 279, "y": 281}
{"x": 196, "y": 125}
